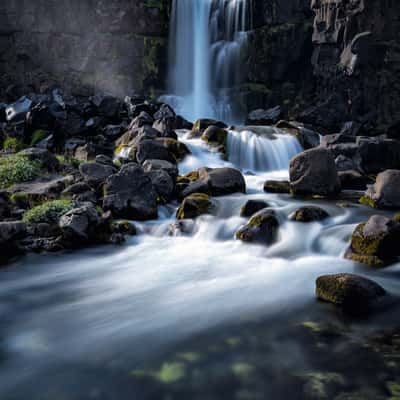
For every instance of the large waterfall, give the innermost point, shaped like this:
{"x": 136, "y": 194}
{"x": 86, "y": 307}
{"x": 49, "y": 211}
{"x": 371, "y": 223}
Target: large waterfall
{"x": 207, "y": 40}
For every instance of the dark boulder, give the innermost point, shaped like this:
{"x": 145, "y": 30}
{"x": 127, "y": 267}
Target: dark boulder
{"x": 195, "y": 205}
{"x": 223, "y": 181}
{"x": 353, "y": 180}
{"x": 252, "y": 206}
{"x": 282, "y": 187}
{"x": 264, "y": 117}
{"x": 313, "y": 172}
{"x": 216, "y": 137}
{"x": 156, "y": 165}
{"x": 130, "y": 194}
{"x": 153, "y": 149}
{"x": 262, "y": 228}
{"x": 95, "y": 174}
{"x": 162, "y": 183}
{"x": 309, "y": 214}
{"x": 17, "y": 111}
{"x": 202, "y": 124}
{"x": 353, "y": 293}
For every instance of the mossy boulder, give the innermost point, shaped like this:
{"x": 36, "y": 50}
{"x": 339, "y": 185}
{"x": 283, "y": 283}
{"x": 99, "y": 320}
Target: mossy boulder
{"x": 202, "y": 124}
{"x": 252, "y": 206}
{"x": 195, "y": 205}
{"x": 375, "y": 243}
{"x": 216, "y": 137}
{"x": 178, "y": 149}
{"x": 309, "y": 214}
{"x": 272, "y": 186}
{"x": 262, "y": 228}
{"x": 352, "y": 293}
{"x": 385, "y": 193}
{"x": 48, "y": 212}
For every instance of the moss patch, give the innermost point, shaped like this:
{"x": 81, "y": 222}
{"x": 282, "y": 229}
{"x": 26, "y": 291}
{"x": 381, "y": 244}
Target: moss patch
{"x": 17, "y": 169}
{"x": 46, "y": 212}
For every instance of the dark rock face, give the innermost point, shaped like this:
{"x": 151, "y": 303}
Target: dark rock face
{"x": 309, "y": 214}
{"x": 114, "y": 46}
{"x": 130, "y": 194}
{"x": 251, "y": 207}
{"x": 195, "y": 205}
{"x": 313, "y": 172}
{"x": 356, "y": 61}
{"x": 223, "y": 181}
{"x": 353, "y": 293}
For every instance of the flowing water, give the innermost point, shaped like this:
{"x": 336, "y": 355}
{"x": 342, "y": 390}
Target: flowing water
{"x": 108, "y": 322}
{"x": 207, "y": 41}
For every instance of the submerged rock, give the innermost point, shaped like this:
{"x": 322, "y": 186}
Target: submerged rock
{"x": 309, "y": 214}
{"x": 376, "y": 242}
{"x": 195, "y": 205}
{"x": 313, "y": 172}
{"x": 223, "y": 181}
{"x": 262, "y": 228}
{"x": 385, "y": 193}
{"x": 252, "y": 206}
{"x": 352, "y": 293}
{"x": 272, "y": 186}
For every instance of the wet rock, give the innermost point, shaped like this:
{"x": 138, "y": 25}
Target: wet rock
{"x": 223, "y": 181}
{"x": 108, "y": 106}
{"x": 182, "y": 227}
{"x": 195, "y": 205}
{"x": 141, "y": 120}
{"x": 307, "y": 137}
{"x": 10, "y": 233}
{"x": 194, "y": 187}
{"x": 202, "y": 124}
{"x": 5, "y": 206}
{"x": 313, "y": 172}
{"x": 125, "y": 228}
{"x": 309, "y": 214}
{"x": 216, "y": 137}
{"x": 175, "y": 147}
{"x": 252, "y": 206}
{"x": 162, "y": 183}
{"x": 262, "y": 228}
{"x": 130, "y": 194}
{"x": 375, "y": 242}
{"x": 385, "y": 193}
{"x": 352, "y": 293}
{"x": 113, "y": 132}
{"x": 45, "y": 158}
{"x": 344, "y": 163}
{"x": 271, "y": 186}
{"x": 264, "y": 117}
{"x": 156, "y": 165}
{"x": 153, "y": 149}
{"x": 95, "y": 174}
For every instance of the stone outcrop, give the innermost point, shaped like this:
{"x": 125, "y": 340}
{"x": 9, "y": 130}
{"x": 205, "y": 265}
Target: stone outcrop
{"x": 115, "y": 46}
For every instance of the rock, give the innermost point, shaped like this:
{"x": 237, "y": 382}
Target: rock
{"x": 309, "y": 214}
{"x": 141, "y": 120}
{"x": 262, "y": 228}
{"x": 271, "y": 186}
{"x": 215, "y": 136}
{"x": 352, "y": 293}
{"x": 385, "y": 193}
{"x": 153, "y": 149}
{"x": 344, "y": 163}
{"x": 182, "y": 123}
{"x": 162, "y": 183}
{"x": 130, "y": 194}
{"x": 113, "y": 132}
{"x": 307, "y": 137}
{"x": 80, "y": 191}
{"x": 313, "y": 172}
{"x": 18, "y": 110}
{"x": 202, "y": 124}
{"x": 125, "y": 227}
{"x": 5, "y": 206}
{"x": 45, "y": 158}
{"x": 223, "y": 181}
{"x": 195, "y": 205}
{"x": 10, "y": 233}
{"x": 80, "y": 225}
{"x": 156, "y": 165}
{"x": 89, "y": 151}
{"x": 95, "y": 174}
{"x": 165, "y": 112}
{"x": 252, "y": 206}
{"x": 108, "y": 106}
{"x": 264, "y": 117}
{"x": 353, "y": 180}
{"x": 194, "y": 187}
{"x": 175, "y": 147}
{"x": 375, "y": 242}
{"x": 182, "y": 227}
{"x": 338, "y": 138}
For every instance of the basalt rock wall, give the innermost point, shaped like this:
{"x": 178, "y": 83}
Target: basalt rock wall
{"x": 116, "y": 46}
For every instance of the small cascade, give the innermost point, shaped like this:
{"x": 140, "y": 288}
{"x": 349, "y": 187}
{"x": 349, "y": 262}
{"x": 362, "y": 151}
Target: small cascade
{"x": 207, "y": 38}
{"x": 253, "y": 152}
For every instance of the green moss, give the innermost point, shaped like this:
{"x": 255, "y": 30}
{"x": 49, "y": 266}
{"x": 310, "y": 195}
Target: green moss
{"x": 20, "y": 200}
{"x": 48, "y": 211}
{"x": 38, "y": 136}
{"x": 168, "y": 373}
{"x": 194, "y": 205}
{"x": 394, "y": 390}
{"x": 365, "y": 245}
{"x": 69, "y": 160}
{"x": 13, "y": 144}
{"x": 17, "y": 169}
{"x": 367, "y": 201}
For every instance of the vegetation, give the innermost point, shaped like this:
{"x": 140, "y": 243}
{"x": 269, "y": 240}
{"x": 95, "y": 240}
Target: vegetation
{"x": 13, "y": 144}
{"x": 16, "y": 169}
{"x": 49, "y": 211}
{"x": 38, "y": 136}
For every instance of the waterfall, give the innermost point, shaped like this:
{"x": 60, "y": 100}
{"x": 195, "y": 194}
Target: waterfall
{"x": 252, "y": 152}
{"x": 207, "y": 38}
